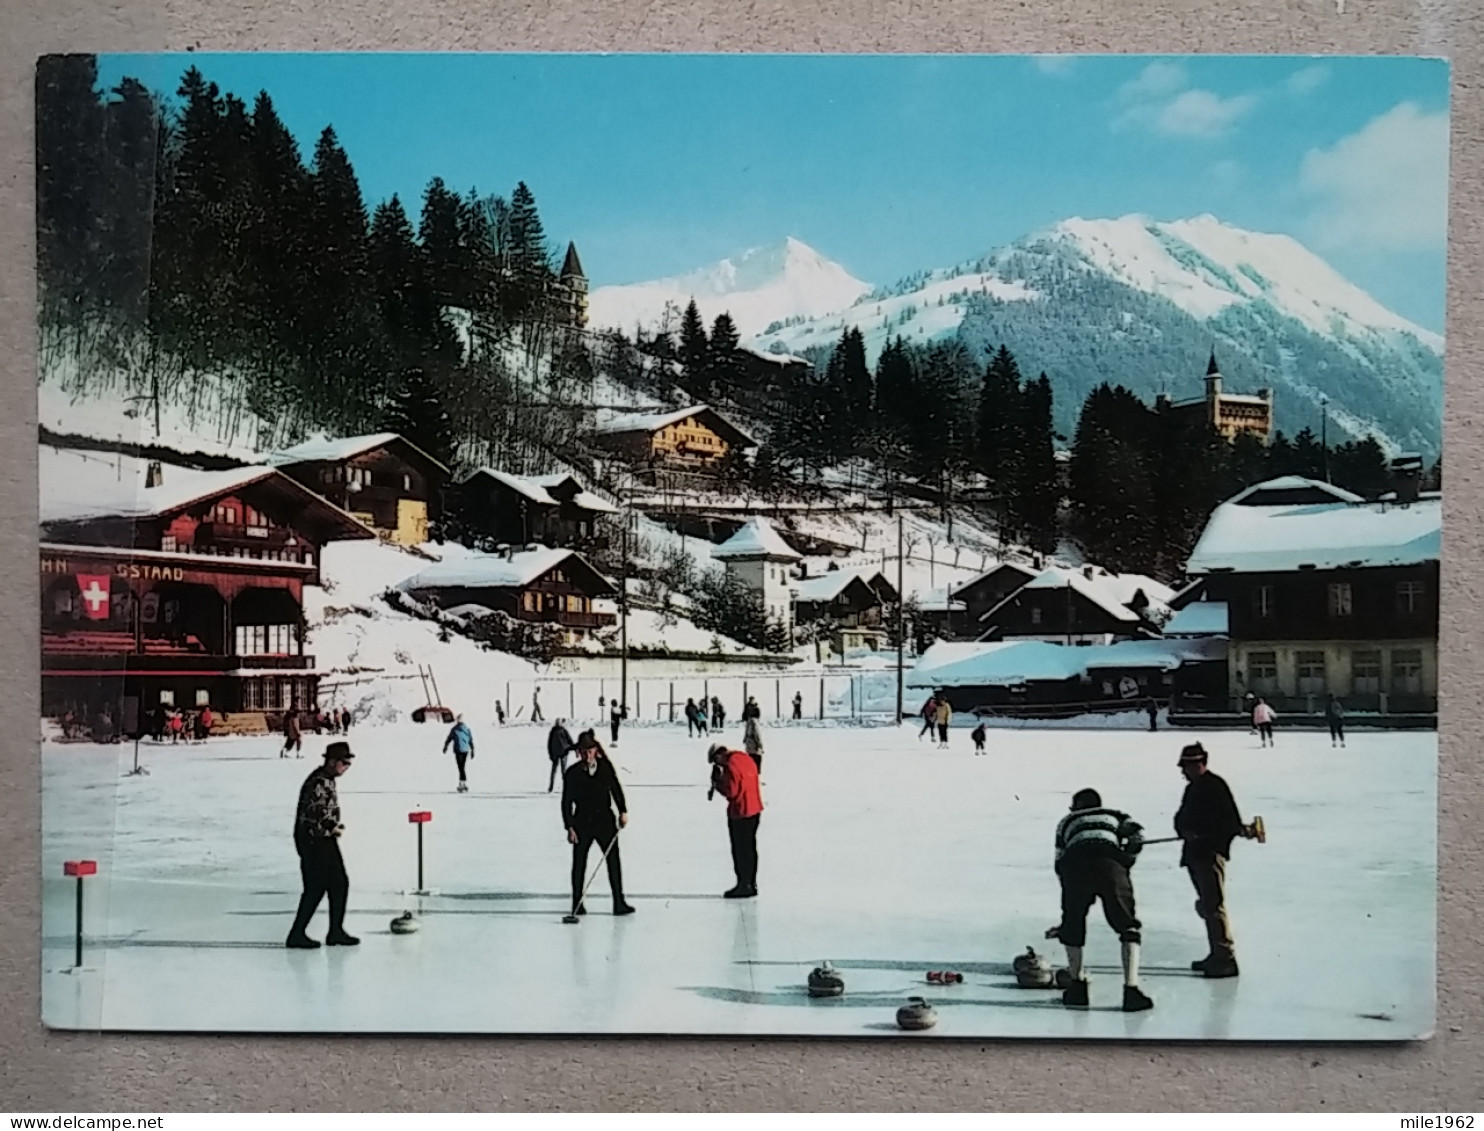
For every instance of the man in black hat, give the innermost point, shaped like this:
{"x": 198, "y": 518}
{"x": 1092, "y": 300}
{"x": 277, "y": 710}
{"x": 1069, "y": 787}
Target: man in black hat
{"x": 1095, "y": 848}
{"x": 317, "y": 830}
{"x": 1208, "y": 821}
{"x": 590, "y": 789}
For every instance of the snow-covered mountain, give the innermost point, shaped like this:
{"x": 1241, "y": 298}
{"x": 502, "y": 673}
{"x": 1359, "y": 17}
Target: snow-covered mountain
{"x": 759, "y": 287}
{"x": 1140, "y": 303}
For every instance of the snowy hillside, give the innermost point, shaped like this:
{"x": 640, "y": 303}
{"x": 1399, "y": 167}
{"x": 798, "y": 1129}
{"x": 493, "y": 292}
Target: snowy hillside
{"x": 1138, "y": 302}
{"x": 759, "y": 287}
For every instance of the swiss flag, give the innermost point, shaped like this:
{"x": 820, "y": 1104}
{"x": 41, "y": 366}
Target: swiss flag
{"x": 93, "y": 592}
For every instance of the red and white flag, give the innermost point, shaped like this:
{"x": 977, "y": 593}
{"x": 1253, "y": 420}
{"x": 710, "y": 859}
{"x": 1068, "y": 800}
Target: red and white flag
{"x": 93, "y": 592}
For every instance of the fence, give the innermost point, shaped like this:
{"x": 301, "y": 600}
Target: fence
{"x": 660, "y": 699}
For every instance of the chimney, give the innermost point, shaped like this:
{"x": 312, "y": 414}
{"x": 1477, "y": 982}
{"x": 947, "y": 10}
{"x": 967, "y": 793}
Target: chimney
{"x": 1406, "y": 477}
{"x": 154, "y": 476}
{"x": 1087, "y": 572}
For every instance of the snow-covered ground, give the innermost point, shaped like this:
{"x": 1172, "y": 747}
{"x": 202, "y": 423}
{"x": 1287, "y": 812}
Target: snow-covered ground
{"x": 886, "y": 856}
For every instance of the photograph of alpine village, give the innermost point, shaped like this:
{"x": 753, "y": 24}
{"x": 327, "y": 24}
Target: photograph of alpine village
{"x": 866, "y": 546}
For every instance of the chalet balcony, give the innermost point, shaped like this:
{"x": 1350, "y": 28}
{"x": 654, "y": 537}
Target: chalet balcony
{"x": 239, "y": 534}
{"x": 570, "y": 619}
{"x": 270, "y": 663}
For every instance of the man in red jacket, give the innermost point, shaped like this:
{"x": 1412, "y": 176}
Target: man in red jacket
{"x": 734, "y": 776}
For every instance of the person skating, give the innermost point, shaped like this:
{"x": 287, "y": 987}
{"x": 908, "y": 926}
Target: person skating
{"x": 718, "y": 714}
{"x": 616, "y": 715}
{"x": 1095, "y": 848}
{"x": 558, "y": 745}
{"x": 798, "y": 704}
{"x": 1208, "y": 821}
{"x": 536, "y": 715}
{"x": 943, "y": 717}
{"x": 692, "y": 718}
{"x": 461, "y": 738}
{"x": 752, "y": 742}
{"x": 499, "y": 712}
{"x": 929, "y": 717}
{"x": 1151, "y": 708}
{"x": 734, "y": 776}
{"x": 750, "y": 709}
{"x": 1262, "y": 721}
{"x": 345, "y": 720}
{"x": 293, "y": 737}
{"x": 1249, "y": 702}
{"x": 590, "y": 790}
{"x": 978, "y": 735}
{"x": 701, "y": 721}
{"x": 317, "y": 830}
{"x": 1334, "y": 714}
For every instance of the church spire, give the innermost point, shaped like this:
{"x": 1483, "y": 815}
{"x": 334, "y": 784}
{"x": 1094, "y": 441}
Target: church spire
{"x": 1211, "y": 369}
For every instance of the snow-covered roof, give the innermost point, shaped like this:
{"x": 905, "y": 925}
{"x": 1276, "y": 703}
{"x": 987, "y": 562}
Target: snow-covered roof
{"x": 1111, "y": 592}
{"x": 610, "y": 423}
{"x": 1025, "y": 570}
{"x": 536, "y": 488}
{"x": 324, "y": 449}
{"x": 1244, "y": 538}
{"x": 1200, "y": 618}
{"x": 1009, "y": 662}
{"x": 756, "y": 539}
{"x": 492, "y": 571}
{"x": 939, "y": 601}
{"x": 77, "y": 486}
{"x": 775, "y": 358}
{"x": 829, "y": 585}
{"x": 1259, "y": 492}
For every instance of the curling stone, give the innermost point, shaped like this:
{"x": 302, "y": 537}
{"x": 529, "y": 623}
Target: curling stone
{"x": 825, "y": 981}
{"x": 405, "y": 924}
{"x": 1032, "y": 971}
{"x": 916, "y": 1015}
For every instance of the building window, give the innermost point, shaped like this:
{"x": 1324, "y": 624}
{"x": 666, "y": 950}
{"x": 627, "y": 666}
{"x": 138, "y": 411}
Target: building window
{"x": 203, "y": 697}
{"x": 1341, "y": 603}
{"x": 1262, "y": 672}
{"x": 264, "y": 639}
{"x": 406, "y": 482}
{"x": 1264, "y": 601}
{"x": 1365, "y": 672}
{"x": 1406, "y": 671}
{"x": 167, "y": 543}
{"x": 1310, "y": 667}
{"x": 1409, "y": 596}
{"x": 327, "y": 475}
{"x": 252, "y": 695}
{"x": 167, "y": 697}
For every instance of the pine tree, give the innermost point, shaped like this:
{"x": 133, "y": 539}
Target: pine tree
{"x": 416, "y": 413}
{"x": 856, "y": 407}
{"x": 440, "y": 233}
{"x": 69, "y": 182}
{"x": 1038, "y": 490}
{"x": 723, "y": 375}
{"x": 694, "y": 350}
{"x": 997, "y": 450}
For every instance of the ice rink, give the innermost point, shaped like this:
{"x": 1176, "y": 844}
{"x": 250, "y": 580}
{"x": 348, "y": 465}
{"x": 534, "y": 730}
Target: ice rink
{"x": 882, "y": 854}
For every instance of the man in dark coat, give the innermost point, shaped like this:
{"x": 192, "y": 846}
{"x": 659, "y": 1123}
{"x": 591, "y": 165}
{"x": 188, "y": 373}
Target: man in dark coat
{"x": 1208, "y": 821}
{"x": 317, "y": 829}
{"x": 1095, "y": 848}
{"x": 558, "y": 745}
{"x": 292, "y": 733}
{"x": 750, "y": 709}
{"x": 590, "y": 790}
{"x": 616, "y": 715}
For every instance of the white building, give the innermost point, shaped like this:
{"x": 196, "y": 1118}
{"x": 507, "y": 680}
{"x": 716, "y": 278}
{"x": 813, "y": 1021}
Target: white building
{"x": 758, "y": 556}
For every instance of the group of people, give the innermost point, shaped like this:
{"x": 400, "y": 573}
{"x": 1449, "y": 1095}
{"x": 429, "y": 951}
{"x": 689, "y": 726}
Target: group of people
{"x": 1096, "y": 848}
{"x": 699, "y": 717}
{"x": 174, "y": 725}
{"x": 937, "y": 713}
{"x": 296, "y": 722}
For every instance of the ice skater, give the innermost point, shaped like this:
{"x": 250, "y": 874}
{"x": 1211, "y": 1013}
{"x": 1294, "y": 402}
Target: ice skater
{"x": 752, "y": 742}
{"x": 750, "y": 709}
{"x": 693, "y": 723}
{"x": 929, "y": 717}
{"x": 718, "y": 714}
{"x": 1208, "y": 821}
{"x": 590, "y": 791}
{"x": 499, "y": 712}
{"x": 1262, "y": 720}
{"x": 734, "y": 776}
{"x": 1095, "y": 848}
{"x": 616, "y": 715}
{"x": 1334, "y": 714}
{"x": 978, "y": 736}
{"x": 798, "y": 705}
{"x": 944, "y": 716}
{"x": 1151, "y": 708}
{"x": 558, "y": 745}
{"x": 461, "y": 738}
{"x": 317, "y": 831}
{"x": 536, "y": 715}
{"x": 293, "y": 736}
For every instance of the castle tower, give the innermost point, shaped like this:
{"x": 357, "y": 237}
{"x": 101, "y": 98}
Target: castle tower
{"x": 574, "y": 285}
{"x": 1213, "y": 387}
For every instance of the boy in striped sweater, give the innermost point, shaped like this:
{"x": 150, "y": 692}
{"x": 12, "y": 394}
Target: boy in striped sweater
{"x": 1095, "y": 848}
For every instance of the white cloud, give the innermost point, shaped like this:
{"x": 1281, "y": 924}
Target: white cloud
{"x": 1054, "y": 64}
{"x": 1307, "y": 79}
{"x": 1155, "y": 81}
{"x": 1199, "y": 113}
{"x": 1384, "y": 187}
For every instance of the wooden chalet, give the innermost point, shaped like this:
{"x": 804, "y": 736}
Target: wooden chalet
{"x": 693, "y": 438}
{"x": 163, "y": 585}
{"x": 1325, "y": 593}
{"x": 1079, "y": 606}
{"x": 853, "y": 600}
{"x": 988, "y": 590}
{"x": 532, "y": 583}
{"x": 552, "y": 510}
{"x": 387, "y": 482}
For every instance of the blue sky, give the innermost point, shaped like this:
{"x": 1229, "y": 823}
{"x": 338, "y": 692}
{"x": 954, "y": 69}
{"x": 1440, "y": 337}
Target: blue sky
{"x": 658, "y": 164}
